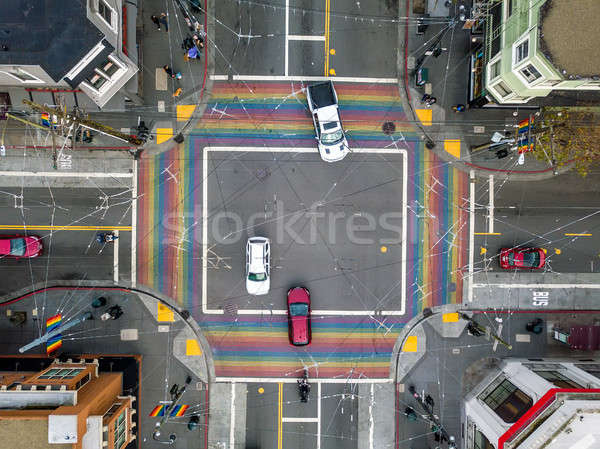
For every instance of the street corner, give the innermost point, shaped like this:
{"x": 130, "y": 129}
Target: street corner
{"x": 411, "y": 349}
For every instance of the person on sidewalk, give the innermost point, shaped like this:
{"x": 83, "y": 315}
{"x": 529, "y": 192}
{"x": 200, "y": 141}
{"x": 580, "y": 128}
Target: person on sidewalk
{"x": 458, "y": 108}
{"x": 428, "y": 100}
{"x": 164, "y": 20}
{"x": 169, "y": 71}
{"x": 156, "y": 21}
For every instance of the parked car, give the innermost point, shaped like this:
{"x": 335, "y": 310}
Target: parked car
{"x": 298, "y": 302}
{"x": 511, "y": 258}
{"x": 20, "y": 246}
{"x": 258, "y": 265}
{"x": 323, "y": 104}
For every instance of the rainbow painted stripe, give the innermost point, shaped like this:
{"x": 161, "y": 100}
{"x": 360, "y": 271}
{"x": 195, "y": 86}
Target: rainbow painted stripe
{"x": 55, "y": 342}
{"x": 159, "y": 410}
{"x": 274, "y": 114}
{"x": 178, "y": 410}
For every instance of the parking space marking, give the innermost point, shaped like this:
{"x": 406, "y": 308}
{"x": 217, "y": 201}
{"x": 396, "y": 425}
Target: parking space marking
{"x": 54, "y": 174}
{"x": 287, "y": 32}
{"x": 538, "y": 286}
{"x": 471, "y": 233}
{"x": 371, "y": 426}
{"x": 319, "y": 415}
{"x": 116, "y": 257}
{"x": 207, "y": 150}
{"x": 341, "y": 79}
{"x": 297, "y": 37}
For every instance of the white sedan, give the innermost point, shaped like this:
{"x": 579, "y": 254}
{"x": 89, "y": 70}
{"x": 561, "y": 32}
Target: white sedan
{"x": 258, "y": 266}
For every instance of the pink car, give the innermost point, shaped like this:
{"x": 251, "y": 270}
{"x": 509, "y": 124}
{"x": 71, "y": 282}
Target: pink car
{"x": 19, "y": 246}
{"x": 299, "y": 316}
{"x": 511, "y": 258}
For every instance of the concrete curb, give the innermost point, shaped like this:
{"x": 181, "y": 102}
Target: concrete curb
{"x": 182, "y": 314}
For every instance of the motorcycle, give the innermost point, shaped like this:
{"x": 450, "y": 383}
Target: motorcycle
{"x": 304, "y": 387}
{"x": 106, "y": 237}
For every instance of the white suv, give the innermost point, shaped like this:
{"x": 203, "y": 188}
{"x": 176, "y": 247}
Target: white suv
{"x": 258, "y": 265}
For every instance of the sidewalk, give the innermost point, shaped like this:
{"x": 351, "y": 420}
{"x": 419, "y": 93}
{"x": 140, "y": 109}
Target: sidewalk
{"x": 451, "y": 134}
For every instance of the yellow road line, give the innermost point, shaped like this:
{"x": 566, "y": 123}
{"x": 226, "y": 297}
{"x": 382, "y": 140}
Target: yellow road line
{"x": 66, "y": 228}
{"x": 579, "y": 235}
{"x": 487, "y": 233}
{"x": 327, "y": 6}
{"x": 280, "y": 416}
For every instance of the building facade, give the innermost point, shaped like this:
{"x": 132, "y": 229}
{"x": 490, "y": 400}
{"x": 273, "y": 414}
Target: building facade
{"x": 534, "y": 47}
{"x": 552, "y": 404}
{"x": 65, "y": 406}
{"x": 86, "y": 47}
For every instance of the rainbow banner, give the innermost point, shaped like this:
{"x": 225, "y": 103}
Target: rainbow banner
{"x": 178, "y": 410}
{"x": 55, "y": 342}
{"x": 159, "y": 410}
{"x": 523, "y": 143}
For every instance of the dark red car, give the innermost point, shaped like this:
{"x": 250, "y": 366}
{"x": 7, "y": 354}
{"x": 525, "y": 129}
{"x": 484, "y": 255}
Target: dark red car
{"x": 20, "y": 246}
{"x": 532, "y": 258}
{"x": 298, "y": 300}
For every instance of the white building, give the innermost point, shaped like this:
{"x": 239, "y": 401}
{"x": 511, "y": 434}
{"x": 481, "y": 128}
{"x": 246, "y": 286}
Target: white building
{"x": 533, "y": 404}
{"x": 86, "y": 47}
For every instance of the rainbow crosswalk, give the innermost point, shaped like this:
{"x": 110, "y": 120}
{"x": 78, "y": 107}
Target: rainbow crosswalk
{"x": 274, "y": 114}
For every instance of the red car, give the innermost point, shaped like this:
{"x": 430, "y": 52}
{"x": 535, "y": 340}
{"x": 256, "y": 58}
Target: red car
{"x": 511, "y": 258}
{"x": 298, "y": 300}
{"x": 19, "y": 246}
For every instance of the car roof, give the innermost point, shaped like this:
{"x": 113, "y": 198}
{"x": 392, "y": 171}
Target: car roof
{"x": 256, "y": 254}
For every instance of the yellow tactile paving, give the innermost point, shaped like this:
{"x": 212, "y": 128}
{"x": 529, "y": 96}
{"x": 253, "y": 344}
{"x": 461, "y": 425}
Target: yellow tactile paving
{"x": 163, "y": 134}
{"x": 185, "y": 111}
{"x": 410, "y": 345}
{"x": 452, "y": 146}
{"x": 192, "y": 347}
{"x": 164, "y": 313}
{"x": 425, "y": 116}
{"x": 450, "y": 317}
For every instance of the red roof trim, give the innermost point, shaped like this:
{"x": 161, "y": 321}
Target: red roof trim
{"x": 537, "y": 408}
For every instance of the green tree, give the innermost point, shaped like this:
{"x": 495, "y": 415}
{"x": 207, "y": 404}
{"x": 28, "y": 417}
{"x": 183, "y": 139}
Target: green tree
{"x": 569, "y": 136}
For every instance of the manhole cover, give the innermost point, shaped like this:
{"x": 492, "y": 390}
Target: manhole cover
{"x": 262, "y": 173}
{"x": 388, "y": 128}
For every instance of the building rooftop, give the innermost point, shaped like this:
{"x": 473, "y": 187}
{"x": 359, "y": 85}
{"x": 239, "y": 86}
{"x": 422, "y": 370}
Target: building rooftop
{"x": 13, "y": 430}
{"x": 569, "y": 37}
{"x": 54, "y": 34}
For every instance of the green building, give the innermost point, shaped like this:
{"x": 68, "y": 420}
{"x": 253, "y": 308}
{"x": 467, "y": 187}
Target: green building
{"x": 534, "y": 47}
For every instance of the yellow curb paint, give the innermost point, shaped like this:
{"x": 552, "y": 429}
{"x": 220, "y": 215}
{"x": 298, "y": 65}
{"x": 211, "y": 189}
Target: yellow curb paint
{"x": 482, "y": 251}
{"x": 192, "y": 347}
{"x": 450, "y": 317}
{"x": 164, "y": 313}
{"x": 425, "y": 116}
{"x": 185, "y": 111}
{"x": 383, "y": 249}
{"x": 163, "y": 134}
{"x": 452, "y": 146}
{"x": 261, "y": 390}
{"x": 410, "y": 345}
{"x": 557, "y": 251}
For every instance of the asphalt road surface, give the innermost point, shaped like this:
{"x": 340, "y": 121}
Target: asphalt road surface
{"x": 305, "y": 38}
{"x": 276, "y": 418}
{"x": 68, "y": 221}
{"x": 560, "y": 215}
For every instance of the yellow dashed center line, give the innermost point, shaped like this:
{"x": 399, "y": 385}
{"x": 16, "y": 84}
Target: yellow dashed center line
{"x": 280, "y": 416}
{"x": 487, "y": 233}
{"x": 578, "y": 235}
{"x": 327, "y": 6}
{"x": 66, "y": 228}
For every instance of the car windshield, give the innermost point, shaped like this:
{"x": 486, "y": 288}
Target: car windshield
{"x": 332, "y": 137}
{"x": 531, "y": 259}
{"x": 17, "y": 247}
{"x": 257, "y": 276}
{"x": 299, "y": 309}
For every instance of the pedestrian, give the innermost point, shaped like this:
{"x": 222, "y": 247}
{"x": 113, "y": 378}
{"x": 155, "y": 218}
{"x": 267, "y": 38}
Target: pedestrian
{"x": 430, "y": 101}
{"x": 163, "y": 19}
{"x": 178, "y": 76}
{"x": 425, "y": 98}
{"x": 169, "y": 71}
{"x": 198, "y": 42}
{"x": 458, "y": 108}
{"x": 177, "y": 92}
{"x": 156, "y": 21}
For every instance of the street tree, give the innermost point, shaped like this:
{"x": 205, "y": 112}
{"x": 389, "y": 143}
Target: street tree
{"x": 569, "y": 136}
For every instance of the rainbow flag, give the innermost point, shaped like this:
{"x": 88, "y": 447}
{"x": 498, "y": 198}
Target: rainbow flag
{"x": 523, "y": 143}
{"x": 178, "y": 410}
{"x": 46, "y": 120}
{"x": 159, "y": 410}
{"x": 55, "y": 342}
